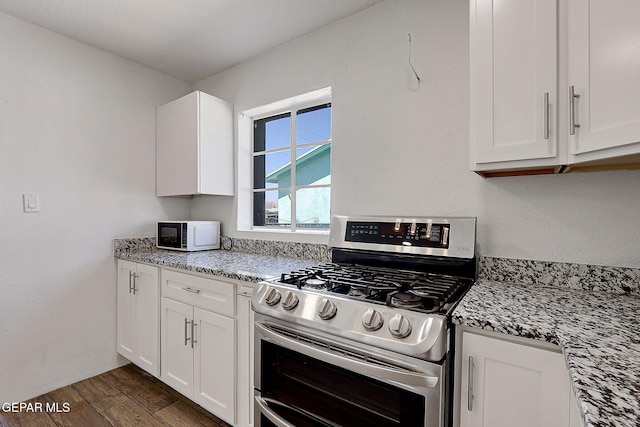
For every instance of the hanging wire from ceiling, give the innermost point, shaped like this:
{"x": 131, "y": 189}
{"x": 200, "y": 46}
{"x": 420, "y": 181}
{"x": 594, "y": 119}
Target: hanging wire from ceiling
{"x": 415, "y": 73}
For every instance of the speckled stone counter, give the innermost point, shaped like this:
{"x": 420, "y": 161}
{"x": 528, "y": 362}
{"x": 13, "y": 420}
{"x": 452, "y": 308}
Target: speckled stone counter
{"x": 250, "y": 267}
{"x": 591, "y": 312}
{"x": 598, "y": 332}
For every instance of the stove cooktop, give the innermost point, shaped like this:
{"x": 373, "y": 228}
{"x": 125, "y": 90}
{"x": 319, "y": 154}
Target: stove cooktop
{"x": 413, "y": 290}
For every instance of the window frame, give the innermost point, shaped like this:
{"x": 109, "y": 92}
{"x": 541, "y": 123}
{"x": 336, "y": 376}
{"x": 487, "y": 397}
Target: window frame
{"x": 246, "y": 157}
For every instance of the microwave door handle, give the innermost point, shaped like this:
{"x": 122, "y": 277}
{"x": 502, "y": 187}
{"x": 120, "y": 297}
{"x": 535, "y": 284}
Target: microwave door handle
{"x": 263, "y": 404}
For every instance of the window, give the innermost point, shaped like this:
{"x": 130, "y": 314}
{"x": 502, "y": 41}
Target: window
{"x": 292, "y": 168}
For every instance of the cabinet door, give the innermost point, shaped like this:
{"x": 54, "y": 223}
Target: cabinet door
{"x": 176, "y": 147}
{"x": 126, "y": 310}
{"x": 506, "y": 384}
{"x": 194, "y": 146}
{"x": 147, "y": 319}
{"x": 604, "y": 66}
{"x": 513, "y": 47}
{"x": 177, "y": 350}
{"x": 215, "y": 355}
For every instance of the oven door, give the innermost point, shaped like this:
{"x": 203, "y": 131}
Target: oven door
{"x": 305, "y": 378}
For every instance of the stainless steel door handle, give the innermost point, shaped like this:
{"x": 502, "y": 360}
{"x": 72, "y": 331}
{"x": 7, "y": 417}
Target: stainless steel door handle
{"x": 263, "y": 404}
{"x": 131, "y": 286}
{"x": 193, "y": 333}
{"x": 572, "y": 111}
{"x": 470, "y": 385}
{"x": 270, "y": 414}
{"x": 193, "y": 291}
{"x": 546, "y": 116}
{"x": 186, "y": 327}
{"x": 135, "y": 276}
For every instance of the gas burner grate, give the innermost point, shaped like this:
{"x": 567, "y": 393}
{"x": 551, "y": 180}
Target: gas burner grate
{"x": 421, "y": 291}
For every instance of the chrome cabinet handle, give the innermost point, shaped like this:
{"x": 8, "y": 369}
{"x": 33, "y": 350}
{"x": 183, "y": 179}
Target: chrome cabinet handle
{"x": 135, "y": 276}
{"x": 186, "y": 327}
{"x": 193, "y": 291}
{"x": 470, "y": 386}
{"x": 546, "y": 116}
{"x": 131, "y": 276}
{"x": 193, "y": 333}
{"x": 572, "y": 111}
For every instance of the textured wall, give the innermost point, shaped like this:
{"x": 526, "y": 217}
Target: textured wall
{"x": 403, "y": 150}
{"x": 77, "y": 127}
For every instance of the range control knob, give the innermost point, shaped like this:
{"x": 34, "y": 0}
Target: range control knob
{"x": 290, "y": 301}
{"x": 372, "y": 320}
{"x": 327, "y": 309}
{"x": 399, "y": 326}
{"x": 272, "y": 297}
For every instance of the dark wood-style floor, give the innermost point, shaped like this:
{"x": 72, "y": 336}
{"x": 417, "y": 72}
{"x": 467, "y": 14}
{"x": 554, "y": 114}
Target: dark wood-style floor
{"x": 127, "y": 396}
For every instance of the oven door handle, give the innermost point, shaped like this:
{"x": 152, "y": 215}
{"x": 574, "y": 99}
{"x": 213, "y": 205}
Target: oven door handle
{"x": 397, "y": 376}
{"x": 270, "y": 414}
{"x": 265, "y": 410}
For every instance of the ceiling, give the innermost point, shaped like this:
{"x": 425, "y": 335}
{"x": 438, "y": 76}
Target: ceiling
{"x": 187, "y": 39}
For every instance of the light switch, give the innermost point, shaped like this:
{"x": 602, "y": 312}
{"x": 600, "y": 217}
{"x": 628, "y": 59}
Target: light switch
{"x": 31, "y": 202}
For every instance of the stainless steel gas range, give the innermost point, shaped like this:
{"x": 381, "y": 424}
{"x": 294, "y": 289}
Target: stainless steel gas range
{"x": 365, "y": 339}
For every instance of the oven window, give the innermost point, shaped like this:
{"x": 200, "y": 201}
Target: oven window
{"x": 340, "y": 396}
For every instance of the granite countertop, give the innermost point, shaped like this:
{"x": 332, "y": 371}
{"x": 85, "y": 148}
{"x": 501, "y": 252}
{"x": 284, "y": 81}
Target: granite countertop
{"x": 598, "y": 333}
{"x": 233, "y": 265}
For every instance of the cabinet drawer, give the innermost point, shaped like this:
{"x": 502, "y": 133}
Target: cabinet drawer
{"x": 209, "y": 294}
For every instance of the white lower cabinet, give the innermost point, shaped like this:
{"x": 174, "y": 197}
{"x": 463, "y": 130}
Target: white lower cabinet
{"x": 506, "y": 384}
{"x": 198, "y": 344}
{"x": 138, "y": 315}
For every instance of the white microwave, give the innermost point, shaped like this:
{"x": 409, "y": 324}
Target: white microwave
{"x": 188, "y": 235}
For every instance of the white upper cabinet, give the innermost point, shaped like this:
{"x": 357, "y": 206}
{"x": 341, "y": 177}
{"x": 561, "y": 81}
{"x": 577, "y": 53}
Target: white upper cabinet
{"x": 531, "y": 113}
{"x": 604, "y": 70}
{"x": 194, "y": 146}
{"x": 513, "y": 81}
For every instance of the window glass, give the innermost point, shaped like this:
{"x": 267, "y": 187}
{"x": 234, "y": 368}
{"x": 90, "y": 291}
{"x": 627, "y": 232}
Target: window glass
{"x": 266, "y": 168}
{"x": 313, "y": 125}
{"x": 312, "y": 207}
{"x": 272, "y": 133}
{"x": 313, "y": 165}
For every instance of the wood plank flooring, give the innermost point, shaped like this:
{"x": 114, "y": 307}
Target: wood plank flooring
{"x": 127, "y": 396}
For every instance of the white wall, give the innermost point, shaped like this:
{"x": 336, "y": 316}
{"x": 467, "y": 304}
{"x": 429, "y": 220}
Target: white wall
{"x": 402, "y": 151}
{"x": 77, "y": 127}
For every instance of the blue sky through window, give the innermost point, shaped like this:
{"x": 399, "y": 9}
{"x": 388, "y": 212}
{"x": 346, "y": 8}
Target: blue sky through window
{"x": 312, "y": 126}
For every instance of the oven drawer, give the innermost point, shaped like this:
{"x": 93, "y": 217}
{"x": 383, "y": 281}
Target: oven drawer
{"x": 209, "y": 294}
{"x": 303, "y": 378}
